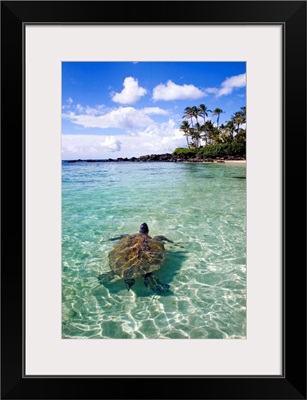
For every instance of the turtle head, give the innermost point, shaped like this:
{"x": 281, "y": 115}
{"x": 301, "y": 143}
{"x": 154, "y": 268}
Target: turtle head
{"x": 144, "y": 228}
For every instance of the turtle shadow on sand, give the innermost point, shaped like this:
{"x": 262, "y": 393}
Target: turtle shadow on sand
{"x": 135, "y": 259}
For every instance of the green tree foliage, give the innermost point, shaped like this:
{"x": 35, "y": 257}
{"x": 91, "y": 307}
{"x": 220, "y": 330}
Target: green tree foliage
{"x": 223, "y": 150}
{"x": 187, "y": 152}
{"x": 233, "y": 131}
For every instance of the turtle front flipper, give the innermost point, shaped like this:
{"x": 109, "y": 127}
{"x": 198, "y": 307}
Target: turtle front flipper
{"x": 163, "y": 239}
{"x": 155, "y": 284}
{"x": 107, "y": 277}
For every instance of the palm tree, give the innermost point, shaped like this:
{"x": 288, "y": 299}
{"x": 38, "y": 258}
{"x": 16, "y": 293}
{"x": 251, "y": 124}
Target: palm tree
{"x": 213, "y": 132}
{"x": 218, "y": 112}
{"x": 243, "y": 114}
{"x": 188, "y": 113}
{"x": 208, "y": 129}
{"x": 203, "y": 111}
{"x": 238, "y": 119}
{"x": 193, "y": 135}
{"x": 192, "y": 130}
{"x": 185, "y": 127}
{"x": 230, "y": 128}
{"x": 195, "y": 113}
{"x": 197, "y": 132}
{"x": 240, "y": 136}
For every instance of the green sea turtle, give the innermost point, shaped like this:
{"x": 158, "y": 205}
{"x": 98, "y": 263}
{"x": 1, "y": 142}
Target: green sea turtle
{"x": 136, "y": 256}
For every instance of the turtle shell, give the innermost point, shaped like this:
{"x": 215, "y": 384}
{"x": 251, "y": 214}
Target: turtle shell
{"x": 136, "y": 255}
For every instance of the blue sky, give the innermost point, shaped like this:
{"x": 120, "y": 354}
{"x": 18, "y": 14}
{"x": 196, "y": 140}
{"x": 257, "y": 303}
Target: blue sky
{"x": 126, "y": 109}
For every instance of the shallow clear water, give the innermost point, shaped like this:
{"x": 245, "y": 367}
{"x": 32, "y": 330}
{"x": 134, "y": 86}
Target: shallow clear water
{"x": 200, "y": 207}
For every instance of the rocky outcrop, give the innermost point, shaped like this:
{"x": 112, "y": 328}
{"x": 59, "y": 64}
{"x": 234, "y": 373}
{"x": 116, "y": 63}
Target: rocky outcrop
{"x": 167, "y": 157}
{"x": 174, "y": 158}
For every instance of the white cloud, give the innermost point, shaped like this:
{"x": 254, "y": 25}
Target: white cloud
{"x": 212, "y": 90}
{"x": 157, "y": 138}
{"x": 161, "y": 138}
{"x": 171, "y": 91}
{"x": 79, "y": 108}
{"x": 131, "y": 93}
{"x": 90, "y": 111}
{"x": 159, "y": 129}
{"x": 111, "y": 143}
{"x": 89, "y": 146}
{"x": 79, "y": 146}
{"x": 68, "y": 104}
{"x": 122, "y": 117}
{"x": 229, "y": 84}
{"x": 154, "y": 111}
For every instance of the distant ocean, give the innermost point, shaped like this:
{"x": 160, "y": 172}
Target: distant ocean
{"x": 200, "y": 207}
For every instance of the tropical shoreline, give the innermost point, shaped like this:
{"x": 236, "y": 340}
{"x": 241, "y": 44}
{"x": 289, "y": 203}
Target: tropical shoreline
{"x": 238, "y": 162}
{"x": 168, "y": 158}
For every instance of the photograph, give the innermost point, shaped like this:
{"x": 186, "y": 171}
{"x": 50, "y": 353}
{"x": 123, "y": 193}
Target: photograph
{"x": 154, "y": 200}
{"x": 144, "y": 210}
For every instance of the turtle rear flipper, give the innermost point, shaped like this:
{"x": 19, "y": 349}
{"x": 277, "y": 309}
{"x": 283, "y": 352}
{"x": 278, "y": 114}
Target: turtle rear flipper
{"x": 129, "y": 282}
{"x": 107, "y": 277}
{"x": 155, "y": 284}
{"x": 115, "y": 238}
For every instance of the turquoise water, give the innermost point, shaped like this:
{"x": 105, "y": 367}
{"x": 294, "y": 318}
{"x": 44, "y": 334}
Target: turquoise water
{"x": 200, "y": 207}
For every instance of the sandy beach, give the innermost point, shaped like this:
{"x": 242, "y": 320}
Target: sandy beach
{"x": 242, "y": 162}
{"x": 234, "y": 162}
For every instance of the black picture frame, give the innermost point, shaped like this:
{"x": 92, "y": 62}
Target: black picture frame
{"x": 292, "y": 383}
